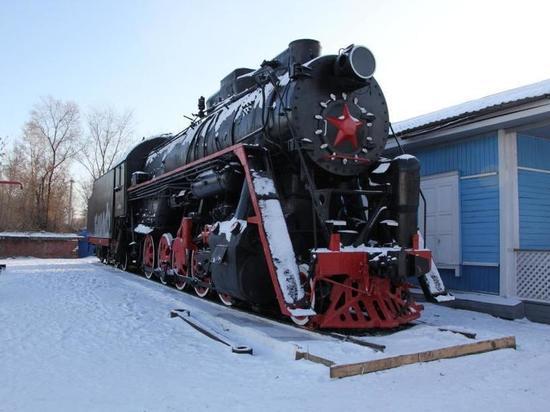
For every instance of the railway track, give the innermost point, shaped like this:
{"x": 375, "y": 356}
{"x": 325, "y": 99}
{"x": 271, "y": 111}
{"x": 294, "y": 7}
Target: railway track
{"x": 272, "y": 316}
{"x": 358, "y": 338}
{"x": 244, "y": 330}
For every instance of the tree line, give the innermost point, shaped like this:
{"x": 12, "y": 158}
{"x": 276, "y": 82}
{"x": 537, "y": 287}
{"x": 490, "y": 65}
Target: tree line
{"x": 56, "y": 137}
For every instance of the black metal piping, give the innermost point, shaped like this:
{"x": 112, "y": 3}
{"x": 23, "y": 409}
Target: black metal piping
{"x": 365, "y": 232}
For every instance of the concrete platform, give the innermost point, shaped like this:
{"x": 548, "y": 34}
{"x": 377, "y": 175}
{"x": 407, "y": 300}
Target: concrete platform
{"x": 499, "y": 306}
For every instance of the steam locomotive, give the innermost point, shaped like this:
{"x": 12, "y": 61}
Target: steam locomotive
{"x": 277, "y": 197}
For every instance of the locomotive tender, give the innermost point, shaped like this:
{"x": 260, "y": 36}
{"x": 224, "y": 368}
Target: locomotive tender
{"x": 276, "y": 196}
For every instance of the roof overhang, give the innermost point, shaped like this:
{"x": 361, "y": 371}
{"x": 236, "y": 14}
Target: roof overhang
{"x": 514, "y": 117}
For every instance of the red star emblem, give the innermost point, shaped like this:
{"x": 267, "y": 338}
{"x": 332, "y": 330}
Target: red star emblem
{"x": 347, "y": 126}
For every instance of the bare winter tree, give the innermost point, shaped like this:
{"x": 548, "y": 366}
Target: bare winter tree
{"x": 41, "y": 159}
{"x": 2, "y": 154}
{"x": 108, "y": 134}
{"x": 52, "y": 139}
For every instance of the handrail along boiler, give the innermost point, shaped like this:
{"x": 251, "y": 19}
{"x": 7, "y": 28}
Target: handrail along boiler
{"x": 276, "y": 196}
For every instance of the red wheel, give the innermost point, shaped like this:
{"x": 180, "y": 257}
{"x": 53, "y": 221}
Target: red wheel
{"x": 304, "y": 275}
{"x": 300, "y": 320}
{"x": 202, "y": 291}
{"x": 164, "y": 257}
{"x": 226, "y": 299}
{"x": 200, "y": 273}
{"x": 148, "y": 256}
{"x": 179, "y": 263}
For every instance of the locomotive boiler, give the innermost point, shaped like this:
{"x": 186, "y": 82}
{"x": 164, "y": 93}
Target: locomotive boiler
{"x": 277, "y": 197}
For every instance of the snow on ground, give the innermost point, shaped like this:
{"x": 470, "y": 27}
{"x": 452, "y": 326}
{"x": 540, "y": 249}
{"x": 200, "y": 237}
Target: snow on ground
{"x": 77, "y": 335}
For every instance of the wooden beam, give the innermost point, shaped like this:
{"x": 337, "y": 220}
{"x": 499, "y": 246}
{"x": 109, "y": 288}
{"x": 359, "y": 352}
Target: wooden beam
{"x": 313, "y": 358}
{"x": 342, "y": 371}
{"x": 348, "y": 338}
{"x": 469, "y": 335}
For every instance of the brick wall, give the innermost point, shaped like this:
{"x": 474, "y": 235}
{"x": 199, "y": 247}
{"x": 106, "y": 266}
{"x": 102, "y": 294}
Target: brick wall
{"x": 42, "y": 248}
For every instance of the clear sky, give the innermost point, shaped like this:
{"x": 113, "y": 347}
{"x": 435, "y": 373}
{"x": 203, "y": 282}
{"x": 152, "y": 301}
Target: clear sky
{"x": 157, "y": 57}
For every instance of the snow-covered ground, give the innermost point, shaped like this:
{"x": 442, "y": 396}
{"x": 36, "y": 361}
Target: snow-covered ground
{"x": 77, "y": 335}
{"x": 40, "y": 235}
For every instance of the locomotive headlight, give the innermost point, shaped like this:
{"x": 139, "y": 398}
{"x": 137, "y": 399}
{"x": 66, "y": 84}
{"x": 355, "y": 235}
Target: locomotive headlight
{"x": 356, "y": 62}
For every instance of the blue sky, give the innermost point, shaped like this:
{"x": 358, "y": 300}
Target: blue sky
{"x": 157, "y": 57}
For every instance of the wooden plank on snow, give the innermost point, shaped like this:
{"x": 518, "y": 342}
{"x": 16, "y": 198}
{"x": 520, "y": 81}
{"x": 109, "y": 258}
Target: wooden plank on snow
{"x": 341, "y": 371}
{"x": 313, "y": 358}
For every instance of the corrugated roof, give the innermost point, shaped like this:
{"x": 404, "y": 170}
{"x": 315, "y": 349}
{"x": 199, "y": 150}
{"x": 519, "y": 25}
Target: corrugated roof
{"x": 461, "y": 111}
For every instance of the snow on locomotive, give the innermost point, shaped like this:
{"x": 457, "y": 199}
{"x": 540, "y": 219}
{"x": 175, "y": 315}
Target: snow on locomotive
{"x": 276, "y": 196}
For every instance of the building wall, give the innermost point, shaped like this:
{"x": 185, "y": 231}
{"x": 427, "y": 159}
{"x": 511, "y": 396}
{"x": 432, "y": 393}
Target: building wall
{"x": 534, "y": 191}
{"x": 42, "y": 248}
{"x": 476, "y": 161}
{"x": 479, "y": 201}
{"x": 472, "y": 156}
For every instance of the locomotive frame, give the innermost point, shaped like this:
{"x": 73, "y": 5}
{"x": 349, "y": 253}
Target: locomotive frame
{"x": 337, "y": 224}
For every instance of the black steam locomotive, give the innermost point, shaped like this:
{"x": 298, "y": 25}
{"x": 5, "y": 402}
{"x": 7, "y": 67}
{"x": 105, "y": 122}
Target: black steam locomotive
{"x": 276, "y": 196}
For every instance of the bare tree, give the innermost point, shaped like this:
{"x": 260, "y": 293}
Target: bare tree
{"x": 41, "y": 160}
{"x": 51, "y": 138}
{"x": 108, "y": 134}
{"x": 12, "y": 202}
{"x": 2, "y": 153}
